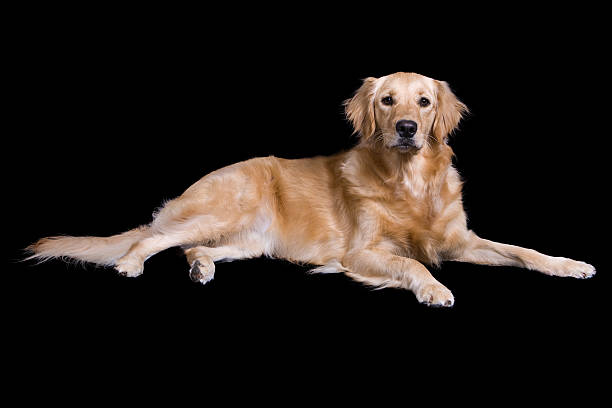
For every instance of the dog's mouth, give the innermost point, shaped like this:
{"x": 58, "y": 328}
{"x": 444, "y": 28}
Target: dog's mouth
{"x": 406, "y": 145}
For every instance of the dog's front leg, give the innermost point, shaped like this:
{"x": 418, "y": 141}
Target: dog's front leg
{"x": 381, "y": 268}
{"x": 485, "y": 252}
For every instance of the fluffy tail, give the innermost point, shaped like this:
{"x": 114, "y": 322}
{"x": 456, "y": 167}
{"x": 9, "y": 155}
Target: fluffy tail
{"x": 99, "y": 250}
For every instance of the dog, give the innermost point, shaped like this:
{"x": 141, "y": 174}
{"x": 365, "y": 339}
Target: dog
{"x": 378, "y": 212}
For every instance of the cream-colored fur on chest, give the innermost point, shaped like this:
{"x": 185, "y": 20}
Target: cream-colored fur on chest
{"x": 412, "y": 204}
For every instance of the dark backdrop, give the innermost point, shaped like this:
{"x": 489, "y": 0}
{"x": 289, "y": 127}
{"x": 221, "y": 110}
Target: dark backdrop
{"x": 112, "y": 115}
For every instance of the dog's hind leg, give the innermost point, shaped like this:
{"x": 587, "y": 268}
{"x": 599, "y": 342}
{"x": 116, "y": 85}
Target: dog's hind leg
{"x": 132, "y": 263}
{"x": 220, "y": 205}
{"x": 177, "y": 228}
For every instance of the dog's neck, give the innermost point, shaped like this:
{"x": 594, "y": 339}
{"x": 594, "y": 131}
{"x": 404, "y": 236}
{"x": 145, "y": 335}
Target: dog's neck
{"x": 419, "y": 170}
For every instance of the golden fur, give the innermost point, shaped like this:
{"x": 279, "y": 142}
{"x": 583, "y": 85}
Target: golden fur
{"x": 377, "y": 212}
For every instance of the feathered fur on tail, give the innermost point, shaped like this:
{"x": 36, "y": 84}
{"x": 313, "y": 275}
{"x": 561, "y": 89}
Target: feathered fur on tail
{"x": 99, "y": 250}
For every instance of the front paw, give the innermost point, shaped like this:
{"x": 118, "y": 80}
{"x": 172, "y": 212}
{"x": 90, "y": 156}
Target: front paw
{"x": 569, "y": 268}
{"x": 435, "y": 294}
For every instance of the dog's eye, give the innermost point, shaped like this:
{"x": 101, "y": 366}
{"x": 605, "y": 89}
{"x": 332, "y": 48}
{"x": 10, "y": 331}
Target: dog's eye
{"x": 387, "y": 100}
{"x": 424, "y": 102}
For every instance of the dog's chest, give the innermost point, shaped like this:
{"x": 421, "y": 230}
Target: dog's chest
{"x": 414, "y": 184}
{"x": 425, "y": 218}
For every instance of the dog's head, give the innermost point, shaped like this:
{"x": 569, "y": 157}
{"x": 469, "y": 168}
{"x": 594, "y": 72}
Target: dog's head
{"x": 404, "y": 111}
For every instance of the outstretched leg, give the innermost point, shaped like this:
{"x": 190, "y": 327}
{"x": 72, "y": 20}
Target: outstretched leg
{"x": 485, "y": 252}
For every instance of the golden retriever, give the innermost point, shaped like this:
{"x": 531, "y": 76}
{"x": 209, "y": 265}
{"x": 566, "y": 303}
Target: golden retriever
{"x": 377, "y": 212}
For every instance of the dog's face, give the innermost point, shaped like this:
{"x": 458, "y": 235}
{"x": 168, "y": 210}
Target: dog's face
{"x": 404, "y": 111}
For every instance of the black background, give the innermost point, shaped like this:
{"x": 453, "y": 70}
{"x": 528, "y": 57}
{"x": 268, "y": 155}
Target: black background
{"x": 110, "y": 113}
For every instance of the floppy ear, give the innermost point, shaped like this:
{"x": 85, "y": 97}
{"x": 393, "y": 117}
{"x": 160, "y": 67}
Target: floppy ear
{"x": 450, "y": 110}
{"x": 360, "y": 109}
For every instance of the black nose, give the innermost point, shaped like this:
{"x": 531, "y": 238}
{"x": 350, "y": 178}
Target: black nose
{"x": 406, "y": 128}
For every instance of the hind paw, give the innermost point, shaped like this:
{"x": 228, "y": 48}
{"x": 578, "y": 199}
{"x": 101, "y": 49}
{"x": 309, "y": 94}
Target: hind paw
{"x": 129, "y": 267}
{"x": 202, "y": 272}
